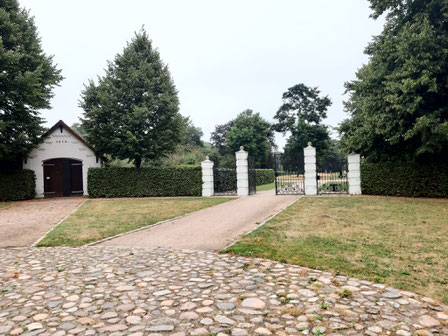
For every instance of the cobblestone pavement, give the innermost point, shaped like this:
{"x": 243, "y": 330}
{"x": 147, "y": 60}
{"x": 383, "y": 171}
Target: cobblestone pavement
{"x": 123, "y": 291}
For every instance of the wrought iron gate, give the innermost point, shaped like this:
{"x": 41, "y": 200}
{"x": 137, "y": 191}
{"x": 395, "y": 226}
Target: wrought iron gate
{"x": 289, "y": 174}
{"x": 334, "y": 180}
{"x": 224, "y": 181}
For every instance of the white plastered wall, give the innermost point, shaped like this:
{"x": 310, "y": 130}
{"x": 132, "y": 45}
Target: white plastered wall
{"x": 60, "y": 145}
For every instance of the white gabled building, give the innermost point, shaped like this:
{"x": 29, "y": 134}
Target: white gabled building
{"x": 61, "y": 162}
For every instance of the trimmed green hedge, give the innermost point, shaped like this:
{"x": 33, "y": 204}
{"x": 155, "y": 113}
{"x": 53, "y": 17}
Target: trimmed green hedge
{"x": 18, "y": 185}
{"x": 404, "y": 179}
{"x": 141, "y": 182}
{"x": 265, "y": 176}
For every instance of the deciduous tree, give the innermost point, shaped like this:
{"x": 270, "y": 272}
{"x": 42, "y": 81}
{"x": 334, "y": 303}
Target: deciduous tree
{"x": 219, "y": 136}
{"x": 78, "y": 128}
{"x": 254, "y": 133}
{"x": 301, "y": 114}
{"x": 398, "y": 104}
{"x": 192, "y": 134}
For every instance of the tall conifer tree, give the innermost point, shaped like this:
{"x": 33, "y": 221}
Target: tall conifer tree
{"x": 133, "y": 111}
{"x": 27, "y": 79}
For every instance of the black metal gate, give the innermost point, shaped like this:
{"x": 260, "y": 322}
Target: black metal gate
{"x": 224, "y": 180}
{"x": 289, "y": 174}
{"x": 252, "y": 176}
{"x": 333, "y": 181}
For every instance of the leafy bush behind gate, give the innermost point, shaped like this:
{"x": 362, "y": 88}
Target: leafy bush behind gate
{"x": 224, "y": 180}
{"x": 265, "y": 176}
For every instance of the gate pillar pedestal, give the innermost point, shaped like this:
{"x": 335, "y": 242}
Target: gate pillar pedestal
{"x": 309, "y": 154}
{"x": 207, "y": 178}
{"x": 242, "y": 172}
{"x": 354, "y": 174}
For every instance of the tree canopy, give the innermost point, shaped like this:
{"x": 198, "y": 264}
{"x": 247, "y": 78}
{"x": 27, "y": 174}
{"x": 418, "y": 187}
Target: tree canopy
{"x": 133, "y": 111}
{"x": 191, "y": 151}
{"x": 192, "y": 134}
{"x": 398, "y": 103}
{"x": 78, "y": 128}
{"x": 27, "y": 79}
{"x": 219, "y": 137}
{"x": 301, "y": 114}
{"x": 301, "y": 105}
{"x": 254, "y": 133}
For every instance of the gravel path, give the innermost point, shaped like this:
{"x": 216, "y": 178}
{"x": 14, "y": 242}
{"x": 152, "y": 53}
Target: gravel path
{"x": 210, "y": 229}
{"x": 22, "y": 223}
{"x": 136, "y": 291}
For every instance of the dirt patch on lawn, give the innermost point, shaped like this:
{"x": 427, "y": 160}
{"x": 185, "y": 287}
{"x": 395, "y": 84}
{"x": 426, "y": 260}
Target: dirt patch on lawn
{"x": 22, "y": 223}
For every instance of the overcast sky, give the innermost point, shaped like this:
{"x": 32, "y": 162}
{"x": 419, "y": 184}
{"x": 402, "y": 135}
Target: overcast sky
{"x": 224, "y": 56}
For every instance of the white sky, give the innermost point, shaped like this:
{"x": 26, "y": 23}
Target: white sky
{"x": 224, "y": 56}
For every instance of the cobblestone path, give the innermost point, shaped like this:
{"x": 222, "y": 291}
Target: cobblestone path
{"x": 123, "y": 291}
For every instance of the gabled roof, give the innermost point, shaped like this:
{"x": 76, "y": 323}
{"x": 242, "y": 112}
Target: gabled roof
{"x": 62, "y": 124}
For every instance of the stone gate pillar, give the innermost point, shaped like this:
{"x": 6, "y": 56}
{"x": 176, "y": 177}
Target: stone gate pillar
{"x": 242, "y": 172}
{"x": 354, "y": 174}
{"x": 309, "y": 154}
{"x": 207, "y": 178}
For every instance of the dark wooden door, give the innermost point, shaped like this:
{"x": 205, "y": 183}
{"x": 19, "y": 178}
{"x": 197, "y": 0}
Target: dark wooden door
{"x": 53, "y": 178}
{"x": 62, "y": 177}
{"x": 76, "y": 177}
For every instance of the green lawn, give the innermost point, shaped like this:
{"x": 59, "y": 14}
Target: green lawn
{"x": 4, "y": 204}
{"x": 398, "y": 241}
{"x": 269, "y": 186}
{"x": 102, "y": 218}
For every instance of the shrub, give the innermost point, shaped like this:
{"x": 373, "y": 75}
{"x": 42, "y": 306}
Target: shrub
{"x": 404, "y": 179}
{"x": 18, "y": 185}
{"x": 265, "y": 176}
{"x": 333, "y": 187}
{"x": 141, "y": 182}
{"x": 224, "y": 180}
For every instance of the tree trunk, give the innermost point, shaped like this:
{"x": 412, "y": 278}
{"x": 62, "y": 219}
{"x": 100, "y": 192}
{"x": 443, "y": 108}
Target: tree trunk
{"x": 138, "y": 162}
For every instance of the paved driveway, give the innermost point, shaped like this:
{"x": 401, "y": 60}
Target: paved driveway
{"x": 22, "y": 223}
{"x": 210, "y": 229}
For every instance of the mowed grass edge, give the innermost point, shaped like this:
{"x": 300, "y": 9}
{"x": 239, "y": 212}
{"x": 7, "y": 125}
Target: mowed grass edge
{"x": 268, "y": 186}
{"x": 397, "y": 241}
{"x": 101, "y": 218}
